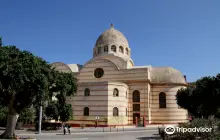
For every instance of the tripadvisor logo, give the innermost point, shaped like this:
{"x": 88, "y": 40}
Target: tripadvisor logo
{"x": 170, "y": 129}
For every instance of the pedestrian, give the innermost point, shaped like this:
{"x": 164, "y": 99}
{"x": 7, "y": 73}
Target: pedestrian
{"x": 96, "y": 123}
{"x": 69, "y": 129}
{"x": 64, "y": 129}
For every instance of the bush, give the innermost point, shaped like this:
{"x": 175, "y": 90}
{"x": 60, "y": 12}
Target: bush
{"x": 48, "y": 126}
{"x": 3, "y": 116}
{"x": 27, "y": 115}
{"x": 214, "y": 135}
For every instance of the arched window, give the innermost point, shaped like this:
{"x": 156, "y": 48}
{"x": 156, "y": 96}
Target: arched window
{"x": 113, "y": 48}
{"x": 162, "y": 100}
{"x": 87, "y": 92}
{"x": 106, "y": 49}
{"x": 115, "y": 92}
{"x": 127, "y": 51}
{"x": 115, "y": 111}
{"x": 136, "y": 96}
{"x": 126, "y": 112}
{"x": 99, "y": 50}
{"x": 121, "y": 50}
{"x": 126, "y": 94}
{"x": 86, "y": 111}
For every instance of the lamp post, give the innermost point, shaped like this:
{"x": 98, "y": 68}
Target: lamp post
{"x": 40, "y": 119}
{"x": 40, "y": 112}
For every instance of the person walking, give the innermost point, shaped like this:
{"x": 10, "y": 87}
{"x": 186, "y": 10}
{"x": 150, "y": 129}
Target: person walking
{"x": 64, "y": 129}
{"x": 68, "y": 128}
{"x": 96, "y": 124}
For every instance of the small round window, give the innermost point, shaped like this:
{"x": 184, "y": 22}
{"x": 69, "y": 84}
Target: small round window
{"x": 99, "y": 72}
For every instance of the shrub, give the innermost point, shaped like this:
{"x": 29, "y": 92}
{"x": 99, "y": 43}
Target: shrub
{"x": 3, "y": 116}
{"x": 204, "y": 123}
{"x": 48, "y": 126}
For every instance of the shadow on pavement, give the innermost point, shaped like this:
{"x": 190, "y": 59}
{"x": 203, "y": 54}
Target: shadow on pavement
{"x": 155, "y": 137}
{"x": 149, "y": 138}
{"x": 63, "y": 134}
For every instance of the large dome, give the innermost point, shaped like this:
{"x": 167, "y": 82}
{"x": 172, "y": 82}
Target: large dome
{"x": 112, "y": 42}
{"x": 110, "y": 37}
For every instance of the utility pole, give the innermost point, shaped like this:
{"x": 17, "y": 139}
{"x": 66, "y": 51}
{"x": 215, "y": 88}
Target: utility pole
{"x": 40, "y": 117}
{"x": 40, "y": 120}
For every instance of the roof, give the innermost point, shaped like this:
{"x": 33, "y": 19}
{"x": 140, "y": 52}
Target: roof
{"x": 166, "y": 75}
{"x": 112, "y": 36}
{"x": 75, "y": 67}
{"x": 60, "y": 66}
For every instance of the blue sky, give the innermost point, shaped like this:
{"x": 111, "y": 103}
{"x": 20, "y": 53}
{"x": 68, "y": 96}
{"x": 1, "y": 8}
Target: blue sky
{"x": 181, "y": 34}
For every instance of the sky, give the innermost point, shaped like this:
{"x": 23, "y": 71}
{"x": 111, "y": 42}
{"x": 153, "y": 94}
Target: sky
{"x": 184, "y": 34}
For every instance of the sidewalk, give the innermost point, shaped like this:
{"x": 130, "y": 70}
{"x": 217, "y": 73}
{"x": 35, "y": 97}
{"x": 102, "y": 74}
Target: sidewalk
{"x": 87, "y": 130}
{"x": 92, "y": 130}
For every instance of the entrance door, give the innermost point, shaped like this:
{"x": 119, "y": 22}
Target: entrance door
{"x": 136, "y": 115}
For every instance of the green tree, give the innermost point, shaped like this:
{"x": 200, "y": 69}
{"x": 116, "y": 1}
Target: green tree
{"x": 0, "y": 41}
{"x": 66, "y": 112}
{"x": 23, "y": 78}
{"x": 52, "y": 111}
{"x": 186, "y": 99}
{"x": 64, "y": 85}
{"x": 27, "y": 115}
{"x": 3, "y": 115}
{"x": 202, "y": 97}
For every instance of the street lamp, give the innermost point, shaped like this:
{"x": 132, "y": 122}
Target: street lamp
{"x": 40, "y": 118}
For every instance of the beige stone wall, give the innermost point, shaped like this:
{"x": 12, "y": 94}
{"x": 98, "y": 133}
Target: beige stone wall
{"x": 121, "y": 102}
{"x": 149, "y": 99}
{"x": 101, "y": 101}
{"x": 143, "y": 89}
{"x": 111, "y": 72}
{"x": 171, "y": 114}
{"x": 120, "y": 120}
{"x": 97, "y": 102}
{"x": 121, "y": 63}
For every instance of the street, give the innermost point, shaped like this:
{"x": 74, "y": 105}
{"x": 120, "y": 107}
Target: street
{"x": 128, "y": 135}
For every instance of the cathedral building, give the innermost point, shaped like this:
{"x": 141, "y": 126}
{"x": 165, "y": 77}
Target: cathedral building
{"x": 113, "y": 91}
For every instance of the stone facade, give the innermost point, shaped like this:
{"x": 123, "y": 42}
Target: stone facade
{"x": 116, "y": 91}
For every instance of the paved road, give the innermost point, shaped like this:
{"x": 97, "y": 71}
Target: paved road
{"x": 89, "y": 129}
{"x": 127, "y": 135}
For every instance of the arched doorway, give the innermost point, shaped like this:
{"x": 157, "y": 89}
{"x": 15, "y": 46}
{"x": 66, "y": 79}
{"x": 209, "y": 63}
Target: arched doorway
{"x": 136, "y": 106}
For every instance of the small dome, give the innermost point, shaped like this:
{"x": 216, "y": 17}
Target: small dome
{"x": 167, "y": 75}
{"x": 112, "y": 36}
{"x": 60, "y": 66}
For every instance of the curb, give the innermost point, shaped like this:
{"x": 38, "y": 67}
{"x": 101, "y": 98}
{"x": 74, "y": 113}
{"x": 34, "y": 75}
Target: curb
{"x": 93, "y": 133}
{"x": 91, "y": 130}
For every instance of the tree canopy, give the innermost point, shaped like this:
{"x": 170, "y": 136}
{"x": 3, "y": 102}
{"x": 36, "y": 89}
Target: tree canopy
{"x": 63, "y": 86}
{"x": 52, "y": 111}
{"x": 202, "y": 97}
{"x": 0, "y": 41}
{"x": 26, "y": 79}
{"x": 22, "y": 77}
